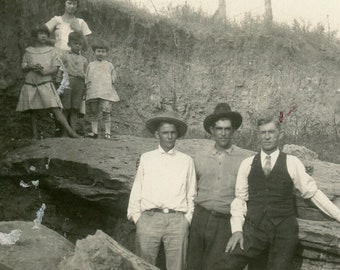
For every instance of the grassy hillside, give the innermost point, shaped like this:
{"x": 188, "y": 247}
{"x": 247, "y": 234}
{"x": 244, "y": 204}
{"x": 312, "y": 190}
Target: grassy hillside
{"x": 188, "y": 62}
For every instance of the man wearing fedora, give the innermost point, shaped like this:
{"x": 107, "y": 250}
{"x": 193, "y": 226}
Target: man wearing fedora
{"x": 216, "y": 172}
{"x": 263, "y": 215}
{"x": 162, "y": 196}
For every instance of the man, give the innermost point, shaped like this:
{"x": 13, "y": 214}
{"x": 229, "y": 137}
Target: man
{"x": 161, "y": 200}
{"x": 265, "y": 197}
{"x": 216, "y": 173}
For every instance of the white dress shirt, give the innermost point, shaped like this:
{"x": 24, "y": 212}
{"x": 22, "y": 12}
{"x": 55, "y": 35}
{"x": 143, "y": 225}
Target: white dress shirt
{"x": 302, "y": 182}
{"x": 163, "y": 180}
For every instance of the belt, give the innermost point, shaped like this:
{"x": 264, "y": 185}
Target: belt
{"x": 213, "y": 213}
{"x": 163, "y": 210}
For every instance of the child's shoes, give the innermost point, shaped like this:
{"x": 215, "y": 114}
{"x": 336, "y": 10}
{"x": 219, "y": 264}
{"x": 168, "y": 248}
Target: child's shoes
{"x": 107, "y": 136}
{"x": 92, "y": 135}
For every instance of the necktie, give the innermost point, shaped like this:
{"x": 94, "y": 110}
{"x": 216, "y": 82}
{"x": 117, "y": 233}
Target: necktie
{"x": 267, "y": 166}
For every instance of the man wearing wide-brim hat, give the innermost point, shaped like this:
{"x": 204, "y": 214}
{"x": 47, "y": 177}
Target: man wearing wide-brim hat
{"x": 216, "y": 172}
{"x": 161, "y": 200}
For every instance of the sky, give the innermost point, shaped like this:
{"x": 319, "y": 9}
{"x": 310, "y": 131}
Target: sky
{"x": 326, "y": 12}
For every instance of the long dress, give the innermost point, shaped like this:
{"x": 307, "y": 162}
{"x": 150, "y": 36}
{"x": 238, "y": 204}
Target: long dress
{"x": 38, "y": 91}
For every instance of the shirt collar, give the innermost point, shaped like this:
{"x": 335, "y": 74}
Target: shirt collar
{"x": 170, "y": 152}
{"x": 228, "y": 151}
{"x": 273, "y": 155}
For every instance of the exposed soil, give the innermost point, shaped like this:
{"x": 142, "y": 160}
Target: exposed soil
{"x": 189, "y": 66}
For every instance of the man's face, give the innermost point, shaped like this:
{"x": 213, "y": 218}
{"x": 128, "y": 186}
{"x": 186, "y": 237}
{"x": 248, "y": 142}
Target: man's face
{"x": 269, "y": 136}
{"x": 167, "y": 135}
{"x": 222, "y": 132}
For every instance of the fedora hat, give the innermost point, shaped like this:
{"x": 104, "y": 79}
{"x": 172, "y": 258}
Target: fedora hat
{"x": 222, "y": 110}
{"x": 169, "y": 117}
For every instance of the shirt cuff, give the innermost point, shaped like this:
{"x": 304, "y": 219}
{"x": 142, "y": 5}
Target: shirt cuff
{"x": 135, "y": 217}
{"x": 338, "y": 218}
{"x": 236, "y": 224}
{"x": 188, "y": 216}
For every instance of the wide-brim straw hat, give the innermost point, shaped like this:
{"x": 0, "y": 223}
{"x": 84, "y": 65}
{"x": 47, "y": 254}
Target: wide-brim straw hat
{"x": 169, "y": 117}
{"x": 222, "y": 110}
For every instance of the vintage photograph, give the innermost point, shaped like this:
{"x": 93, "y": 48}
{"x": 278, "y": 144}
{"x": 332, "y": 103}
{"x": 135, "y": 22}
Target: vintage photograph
{"x": 170, "y": 135}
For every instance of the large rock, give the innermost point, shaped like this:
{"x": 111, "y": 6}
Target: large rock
{"x": 101, "y": 252}
{"x": 36, "y": 249}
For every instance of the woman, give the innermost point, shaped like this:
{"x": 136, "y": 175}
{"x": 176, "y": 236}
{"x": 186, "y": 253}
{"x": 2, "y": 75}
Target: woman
{"x": 63, "y": 25}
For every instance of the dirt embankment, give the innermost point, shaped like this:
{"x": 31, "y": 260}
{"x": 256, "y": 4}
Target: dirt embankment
{"x": 164, "y": 65}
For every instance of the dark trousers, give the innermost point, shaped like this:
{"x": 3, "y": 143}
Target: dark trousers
{"x": 278, "y": 241}
{"x": 208, "y": 237}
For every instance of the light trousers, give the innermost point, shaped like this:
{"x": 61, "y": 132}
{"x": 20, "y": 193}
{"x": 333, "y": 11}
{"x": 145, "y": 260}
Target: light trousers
{"x": 171, "y": 229}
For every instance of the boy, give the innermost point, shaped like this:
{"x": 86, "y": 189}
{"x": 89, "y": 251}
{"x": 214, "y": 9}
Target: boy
{"x": 100, "y": 93}
{"x": 75, "y": 65}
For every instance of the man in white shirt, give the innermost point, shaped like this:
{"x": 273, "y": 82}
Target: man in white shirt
{"x": 162, "y": 196}
{"x": 264, "y": 204}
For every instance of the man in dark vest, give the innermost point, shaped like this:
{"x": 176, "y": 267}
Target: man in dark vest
{"x": 264, "y": 204}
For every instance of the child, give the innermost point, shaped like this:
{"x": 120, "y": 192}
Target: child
{"x": 100, "y": 93}
{"x": 75, "y": 65}
{"x": 38, "y": 92}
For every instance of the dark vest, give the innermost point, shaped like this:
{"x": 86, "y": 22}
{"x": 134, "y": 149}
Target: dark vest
{"x": 273, "y": 195}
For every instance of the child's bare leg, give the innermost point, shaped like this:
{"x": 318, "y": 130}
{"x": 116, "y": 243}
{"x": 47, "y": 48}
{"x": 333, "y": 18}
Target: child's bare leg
{"x": 66, "y": 114}
{"x": 62, "y": 120}
{"x": 34, "y": 124}
{"x": 73, "y": 119}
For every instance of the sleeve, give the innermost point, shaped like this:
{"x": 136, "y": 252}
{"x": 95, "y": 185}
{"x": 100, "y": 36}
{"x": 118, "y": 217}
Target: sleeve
{"x": 113, "y": 73}
{"x": 308, "y": 188}
{"x": 51, "y": 24}
{"x": 301, "y": 179}
{"x": 134, "y": 207}
{"x": 191, "y": 190}
{"x": 62, "y": 59}
{"x": 55, "y": 61}
{"x": 25, "y": 60}
{"x": 87, "y": 74}
{"x": 84, "y": 28}
{"x": 86, "y": 63}
{"x": 238, "y": 207}
{"x": 325, "y": 205}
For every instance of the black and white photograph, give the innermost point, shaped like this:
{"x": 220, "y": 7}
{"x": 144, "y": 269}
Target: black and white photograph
{"x": 170, "y": 135}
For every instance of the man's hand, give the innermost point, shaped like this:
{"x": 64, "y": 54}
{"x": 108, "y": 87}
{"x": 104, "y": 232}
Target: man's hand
{"x": 236, "y": 238}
